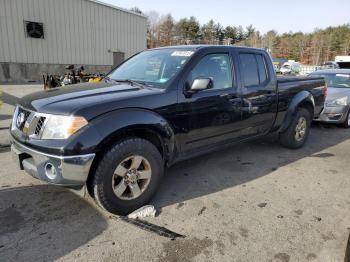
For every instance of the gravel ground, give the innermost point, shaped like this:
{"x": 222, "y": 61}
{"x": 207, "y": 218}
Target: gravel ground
{"x": 253, "y": 202}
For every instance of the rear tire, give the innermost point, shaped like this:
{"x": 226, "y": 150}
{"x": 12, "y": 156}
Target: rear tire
{"x": 298, "y": 131}
{"x": 118, "y": 185}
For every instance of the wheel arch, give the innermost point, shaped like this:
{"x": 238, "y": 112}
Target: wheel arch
{"x": 140, "y": 131}
{"x": 302, "y": 99}
{"x": 140, "y": 123}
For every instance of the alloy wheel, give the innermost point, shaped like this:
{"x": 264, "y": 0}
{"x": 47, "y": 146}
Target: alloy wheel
{"x": 131, "y": 177}
{"x": 300, "y": 129}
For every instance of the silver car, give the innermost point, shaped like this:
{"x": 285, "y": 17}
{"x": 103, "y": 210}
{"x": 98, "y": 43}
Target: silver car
{"x": 337, "y": 103}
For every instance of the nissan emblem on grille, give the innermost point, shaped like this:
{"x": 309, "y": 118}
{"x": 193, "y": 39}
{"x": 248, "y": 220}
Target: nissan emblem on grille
{"x": 20, "y": 119}
{"x": 28, "y": 123}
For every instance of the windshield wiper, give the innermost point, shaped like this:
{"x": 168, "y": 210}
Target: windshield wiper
{"x": 131, "y": 82}
{"x": 107, "y": 78}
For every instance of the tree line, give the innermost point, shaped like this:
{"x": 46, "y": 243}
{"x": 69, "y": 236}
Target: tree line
{"x": 309, "y": 48}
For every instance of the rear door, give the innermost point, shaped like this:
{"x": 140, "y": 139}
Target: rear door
{"x": 259, "y": 93}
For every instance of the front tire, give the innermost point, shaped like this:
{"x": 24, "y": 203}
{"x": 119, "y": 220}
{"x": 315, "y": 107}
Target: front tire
{"x": 298, "y": 131}
{"x": 127, "y": 176}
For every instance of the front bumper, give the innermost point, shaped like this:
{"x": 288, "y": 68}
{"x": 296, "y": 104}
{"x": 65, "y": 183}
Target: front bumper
{"x": 336, "y": 114}
{"x": 70, "y": 171}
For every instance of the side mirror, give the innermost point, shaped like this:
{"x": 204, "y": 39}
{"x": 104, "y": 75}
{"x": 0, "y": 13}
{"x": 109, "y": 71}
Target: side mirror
{"x": 199, "y": 84}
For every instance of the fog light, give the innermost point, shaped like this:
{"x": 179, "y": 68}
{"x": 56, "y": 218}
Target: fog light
{"x": 50, "y": 171}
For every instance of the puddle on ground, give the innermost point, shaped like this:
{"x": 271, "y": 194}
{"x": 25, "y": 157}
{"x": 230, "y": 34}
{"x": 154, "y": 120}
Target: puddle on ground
{"x": 11, "y": 220}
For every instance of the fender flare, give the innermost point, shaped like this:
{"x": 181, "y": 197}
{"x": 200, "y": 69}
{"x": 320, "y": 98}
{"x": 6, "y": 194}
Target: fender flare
{"x": 303, "y": 97}
{"x": 119, "y": 122}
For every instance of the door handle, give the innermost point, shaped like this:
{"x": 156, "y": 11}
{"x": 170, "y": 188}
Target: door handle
{"x": 226, "y": 95}
{"x": 233, "y": 99}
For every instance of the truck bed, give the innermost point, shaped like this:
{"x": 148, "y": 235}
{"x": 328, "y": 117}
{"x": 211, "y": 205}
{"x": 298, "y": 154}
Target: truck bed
{"x": 289, "y": 86}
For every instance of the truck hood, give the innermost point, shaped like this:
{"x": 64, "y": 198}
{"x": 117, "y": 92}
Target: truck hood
{"x": 335, "y": 93}
{"x": 87, "y": 99}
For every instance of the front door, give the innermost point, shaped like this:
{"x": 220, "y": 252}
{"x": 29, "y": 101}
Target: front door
{"x": 213, "y": 114}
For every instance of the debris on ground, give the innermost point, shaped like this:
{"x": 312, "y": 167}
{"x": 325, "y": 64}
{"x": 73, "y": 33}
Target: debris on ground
{"x": 180, "y": 205}
{"x": 317, "y": 218}
{"x": 201, "y": 211}
{"x": 161, "y": 231}
{"x": 142, "y": 212}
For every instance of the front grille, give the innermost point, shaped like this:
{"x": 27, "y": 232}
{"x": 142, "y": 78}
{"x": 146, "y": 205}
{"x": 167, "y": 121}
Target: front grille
{"x": 23, "y": 114}
{"x": 28, "y": 122}
{"x": 39, "y": 125}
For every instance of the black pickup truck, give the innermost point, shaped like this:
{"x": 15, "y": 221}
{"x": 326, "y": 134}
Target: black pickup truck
{"x": 159, "y": 107}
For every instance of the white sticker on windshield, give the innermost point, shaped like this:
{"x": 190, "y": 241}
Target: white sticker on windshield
{"x": 342, "y": 75}
{"x": 182, "y": 53}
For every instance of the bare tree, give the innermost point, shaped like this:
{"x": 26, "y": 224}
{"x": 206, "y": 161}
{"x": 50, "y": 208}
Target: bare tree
{"x": 166, "y": 29}
{"x": 153, "y": 28}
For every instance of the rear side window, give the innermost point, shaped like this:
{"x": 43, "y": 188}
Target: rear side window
{"x": 249, "y": 70}
{"x": 262, "y": 69}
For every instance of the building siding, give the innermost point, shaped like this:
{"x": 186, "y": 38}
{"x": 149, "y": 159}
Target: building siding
{"x": 76, "y": 32}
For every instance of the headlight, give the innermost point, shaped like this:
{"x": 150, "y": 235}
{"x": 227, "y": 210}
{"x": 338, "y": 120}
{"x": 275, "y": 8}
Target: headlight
{"x": 338, "y": 102}
{"x": 62, "y": 127}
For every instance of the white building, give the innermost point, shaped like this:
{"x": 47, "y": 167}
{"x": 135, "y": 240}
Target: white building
{"x": 42, "y": 36}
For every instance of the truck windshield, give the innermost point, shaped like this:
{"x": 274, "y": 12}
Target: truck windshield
{"x": 153, "y": 68}
{"x": 336, "y": 80}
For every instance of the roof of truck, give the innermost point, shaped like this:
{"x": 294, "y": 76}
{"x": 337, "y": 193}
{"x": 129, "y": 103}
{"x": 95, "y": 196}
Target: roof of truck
{"x": 196, "y": 47}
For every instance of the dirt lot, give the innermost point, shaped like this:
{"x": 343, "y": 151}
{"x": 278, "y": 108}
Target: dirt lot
{"x": 253, "y": 202}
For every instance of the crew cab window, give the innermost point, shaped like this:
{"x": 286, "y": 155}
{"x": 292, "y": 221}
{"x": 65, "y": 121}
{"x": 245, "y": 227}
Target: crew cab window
{"x": 249, "y": 70}
{"x": 262, "y": 69}
{"x": 254, "y": 69}
{"x": 215, "y": 66}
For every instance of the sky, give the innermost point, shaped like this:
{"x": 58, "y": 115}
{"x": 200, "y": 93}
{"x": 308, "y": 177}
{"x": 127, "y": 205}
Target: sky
{"x": 264, "y": 15}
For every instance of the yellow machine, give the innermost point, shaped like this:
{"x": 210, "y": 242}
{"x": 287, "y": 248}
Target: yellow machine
{"x": 95, "y": 79}
{"x": 73, "y": 76}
